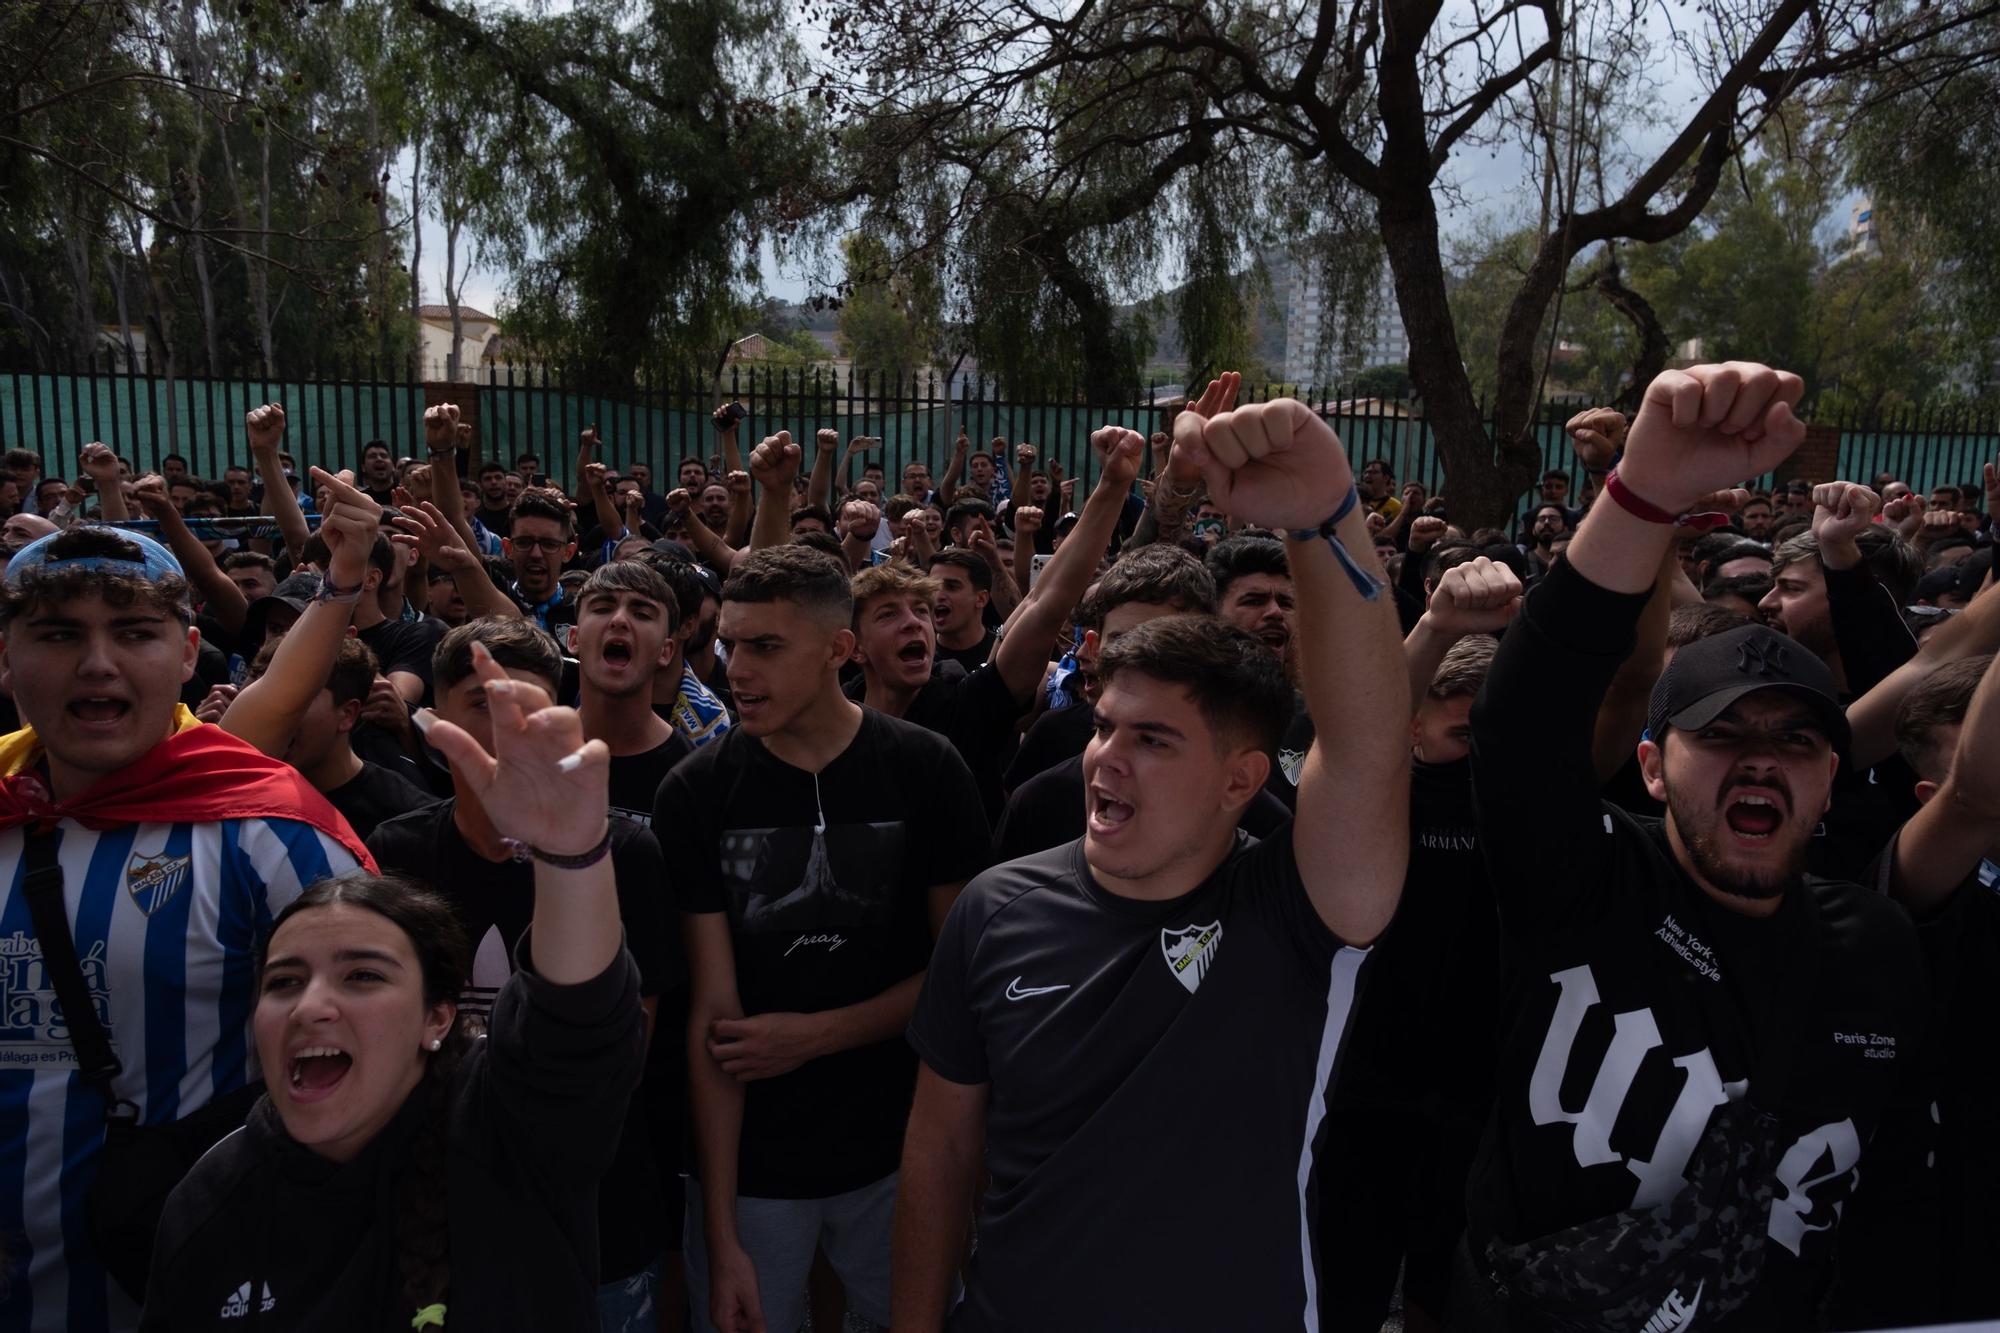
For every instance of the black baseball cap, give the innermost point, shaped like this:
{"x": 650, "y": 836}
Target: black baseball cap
{"x": 1709, "y": 675}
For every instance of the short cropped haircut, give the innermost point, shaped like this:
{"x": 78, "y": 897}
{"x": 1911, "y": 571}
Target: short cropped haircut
{"x": 23, "y": 460}
{"x": 1941, "y": 700}
{"x": 546, "y": 502}
{"x": 977, "y": 572}
{"x": 969, "y": 508}
{"x": 1464, "y": 667}
{"x": 1159, "y": 574}
{"x": 898, "y": 505}
{"x": 820, "y": 512}
{"x": 824, "y": 542}
{"x": 683, "y": 580}
{"x": 516, "y": 644}
{"x": 354, "y": 669}
{"x": 636, "y": 577}
{"x": 1230, "y": 560}
{"x": 1701, "y": 620}
{"x": 248, "y": 560}
{"x": 40, "y": 585}
{"x": 894, "y": 579}
{"x": 812, "y": 580}
{"x": 1238, "y": 684}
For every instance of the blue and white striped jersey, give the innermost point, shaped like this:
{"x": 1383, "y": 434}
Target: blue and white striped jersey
{"x": 166, "y": 918}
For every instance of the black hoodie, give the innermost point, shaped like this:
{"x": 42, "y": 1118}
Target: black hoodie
{"x": 265, "y": 1234}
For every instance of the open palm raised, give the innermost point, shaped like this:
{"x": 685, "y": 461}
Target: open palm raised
{"x": 1275, "y": 464}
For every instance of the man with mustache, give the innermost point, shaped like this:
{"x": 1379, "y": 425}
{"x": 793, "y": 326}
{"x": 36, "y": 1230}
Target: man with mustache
{"x": 1697, "y": 1038}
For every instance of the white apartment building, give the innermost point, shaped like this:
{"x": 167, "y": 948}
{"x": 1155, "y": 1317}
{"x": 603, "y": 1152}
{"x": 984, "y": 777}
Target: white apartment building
{"x": 1382, "y": 339}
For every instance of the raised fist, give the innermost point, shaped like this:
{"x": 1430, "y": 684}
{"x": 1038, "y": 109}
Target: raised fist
{"x": 102, "y": 465}
{"x": 1597, "y": 432}
{"x": 826, "y": 440}
{"x": 1121, "y": 453}
{"x": 738, "y": 483}
{"x": 1276, "y": 464}
{"x": 1707, "y": 428}
{"x": 1024, "y": 454}
{"x": 679, "y": 500}
{"x": 1377, "y": 522}
{"x": 150, "y": 493}
{"x": 859, "y": 520}
{"x": 1478, "y": 597}
{"x": 464, "y": 435}
{"x": 265, "y": 425}
{"x": 1027, "y": 522}
{"x": 441, "y": 425}
{"x": 1842, "y": 511}
{"x": 775, "y": 462}
{"x": 1425, "y": 533}
{"x": 593, "y": 476}
{"x": 1904, "y": 514}
{"x": 1936, "y": 525}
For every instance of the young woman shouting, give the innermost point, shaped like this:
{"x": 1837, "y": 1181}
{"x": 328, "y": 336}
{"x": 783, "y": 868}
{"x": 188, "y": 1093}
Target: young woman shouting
{"x": 397, "y": 1174}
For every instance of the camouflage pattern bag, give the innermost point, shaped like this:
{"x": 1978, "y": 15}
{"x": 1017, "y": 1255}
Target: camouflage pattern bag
{"x": 1687, "y": 1263}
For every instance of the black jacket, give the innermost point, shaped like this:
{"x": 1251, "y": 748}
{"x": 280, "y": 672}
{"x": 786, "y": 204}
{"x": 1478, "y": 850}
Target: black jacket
{"x": 265, "y": 1234}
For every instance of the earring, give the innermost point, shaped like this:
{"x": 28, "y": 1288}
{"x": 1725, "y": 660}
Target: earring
{"x": 437, "y": 1043}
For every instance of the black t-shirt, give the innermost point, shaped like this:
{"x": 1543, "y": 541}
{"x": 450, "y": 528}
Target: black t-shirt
{"x": 976, "y": 711}
{"x": 636, "y": 778}
{"x": 494, "y": 903}
{"x": 405, "y": 645}
{"x": 971, "y": 658}
{"x": 374, "y": 795}
{"x": 1048, "y": 810}
{"x": 499, "y": 522}
{"x": 826, "y": 882}
{"x": 1055, "y": 736}
{"x": 1633, "y": 1005}
{"x": 1290, "y": 761}
{"x": 1157, "y": 1074}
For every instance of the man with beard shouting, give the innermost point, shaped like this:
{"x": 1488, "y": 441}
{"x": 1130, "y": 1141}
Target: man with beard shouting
{"x": 1697, "y": 1038}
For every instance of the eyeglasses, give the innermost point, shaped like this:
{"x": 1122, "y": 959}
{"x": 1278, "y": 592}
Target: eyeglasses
{"x": 546, "y": 545}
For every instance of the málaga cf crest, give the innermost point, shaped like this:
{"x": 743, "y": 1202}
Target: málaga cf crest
{"x": 154, "y": 880}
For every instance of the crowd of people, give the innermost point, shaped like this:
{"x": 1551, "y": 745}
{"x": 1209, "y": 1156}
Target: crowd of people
{"x": 1226, "y": 895}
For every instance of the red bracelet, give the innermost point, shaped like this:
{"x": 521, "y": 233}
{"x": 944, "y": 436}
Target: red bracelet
{"x": 1622, "y": 496}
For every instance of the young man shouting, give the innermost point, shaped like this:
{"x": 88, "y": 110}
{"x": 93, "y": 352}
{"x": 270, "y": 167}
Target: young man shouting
{"x": 1135, "y": 1033}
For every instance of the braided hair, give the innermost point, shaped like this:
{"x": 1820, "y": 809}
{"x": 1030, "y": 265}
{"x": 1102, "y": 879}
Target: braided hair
{"x": 423, "y": 1236}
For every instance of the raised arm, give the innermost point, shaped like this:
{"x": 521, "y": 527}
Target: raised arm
{"x": 1973, "y": 632}
{"x": 1022, "y": 655}
{"x": 266, "y": 712}
{"x": 1006, "y": 595}
{"x": 590, "y": 478}
{"x": 1478, "y": 597}
{"x": 741, "y": 506}
{"x": 1027, "y": 522}
{"x": 726, "y": 422}
{"x": 549, "y": 788}
{"x": 222, "y": 598}
{"x": 1534, "y": 772}
{"x": 586, "y": 454}
{"x": 265, "y": 427}
{"x": 1279, "y": 465}
{"x": 711, "y": 548}
{"x": 1024, "y": 467}
{"x": 774, "y": 464}
{"x": 1868, "y": 626}
{"x": 1945, "y": 841}
{"x": 1178, "y": 484}
{"x": 1621, "y": 718}
{"x": 101, "y": 466}
{"x": 819, "y": 485}
{"x": 448, "y": 439}
{"x": 468, "y": 573}
{"x": 961, "y": 449}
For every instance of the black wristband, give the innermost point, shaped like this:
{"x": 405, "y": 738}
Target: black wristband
{"x": 581, "y": 860}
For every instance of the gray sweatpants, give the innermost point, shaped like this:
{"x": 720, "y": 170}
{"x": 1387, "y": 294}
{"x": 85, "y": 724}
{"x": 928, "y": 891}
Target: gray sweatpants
{"x": 780, "y": 1236}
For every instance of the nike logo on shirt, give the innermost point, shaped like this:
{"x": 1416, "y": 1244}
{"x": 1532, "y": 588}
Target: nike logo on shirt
{"x": 1016, "y": 991}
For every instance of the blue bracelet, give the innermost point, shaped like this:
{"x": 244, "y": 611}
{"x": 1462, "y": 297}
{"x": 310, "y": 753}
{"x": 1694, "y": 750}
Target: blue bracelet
{"x": 1365, "y": 583}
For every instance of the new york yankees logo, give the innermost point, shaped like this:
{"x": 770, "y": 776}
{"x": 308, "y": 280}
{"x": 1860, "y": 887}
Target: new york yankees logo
{"x": 1828, "y": 1153}
{"x": 1763, "y": 656}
